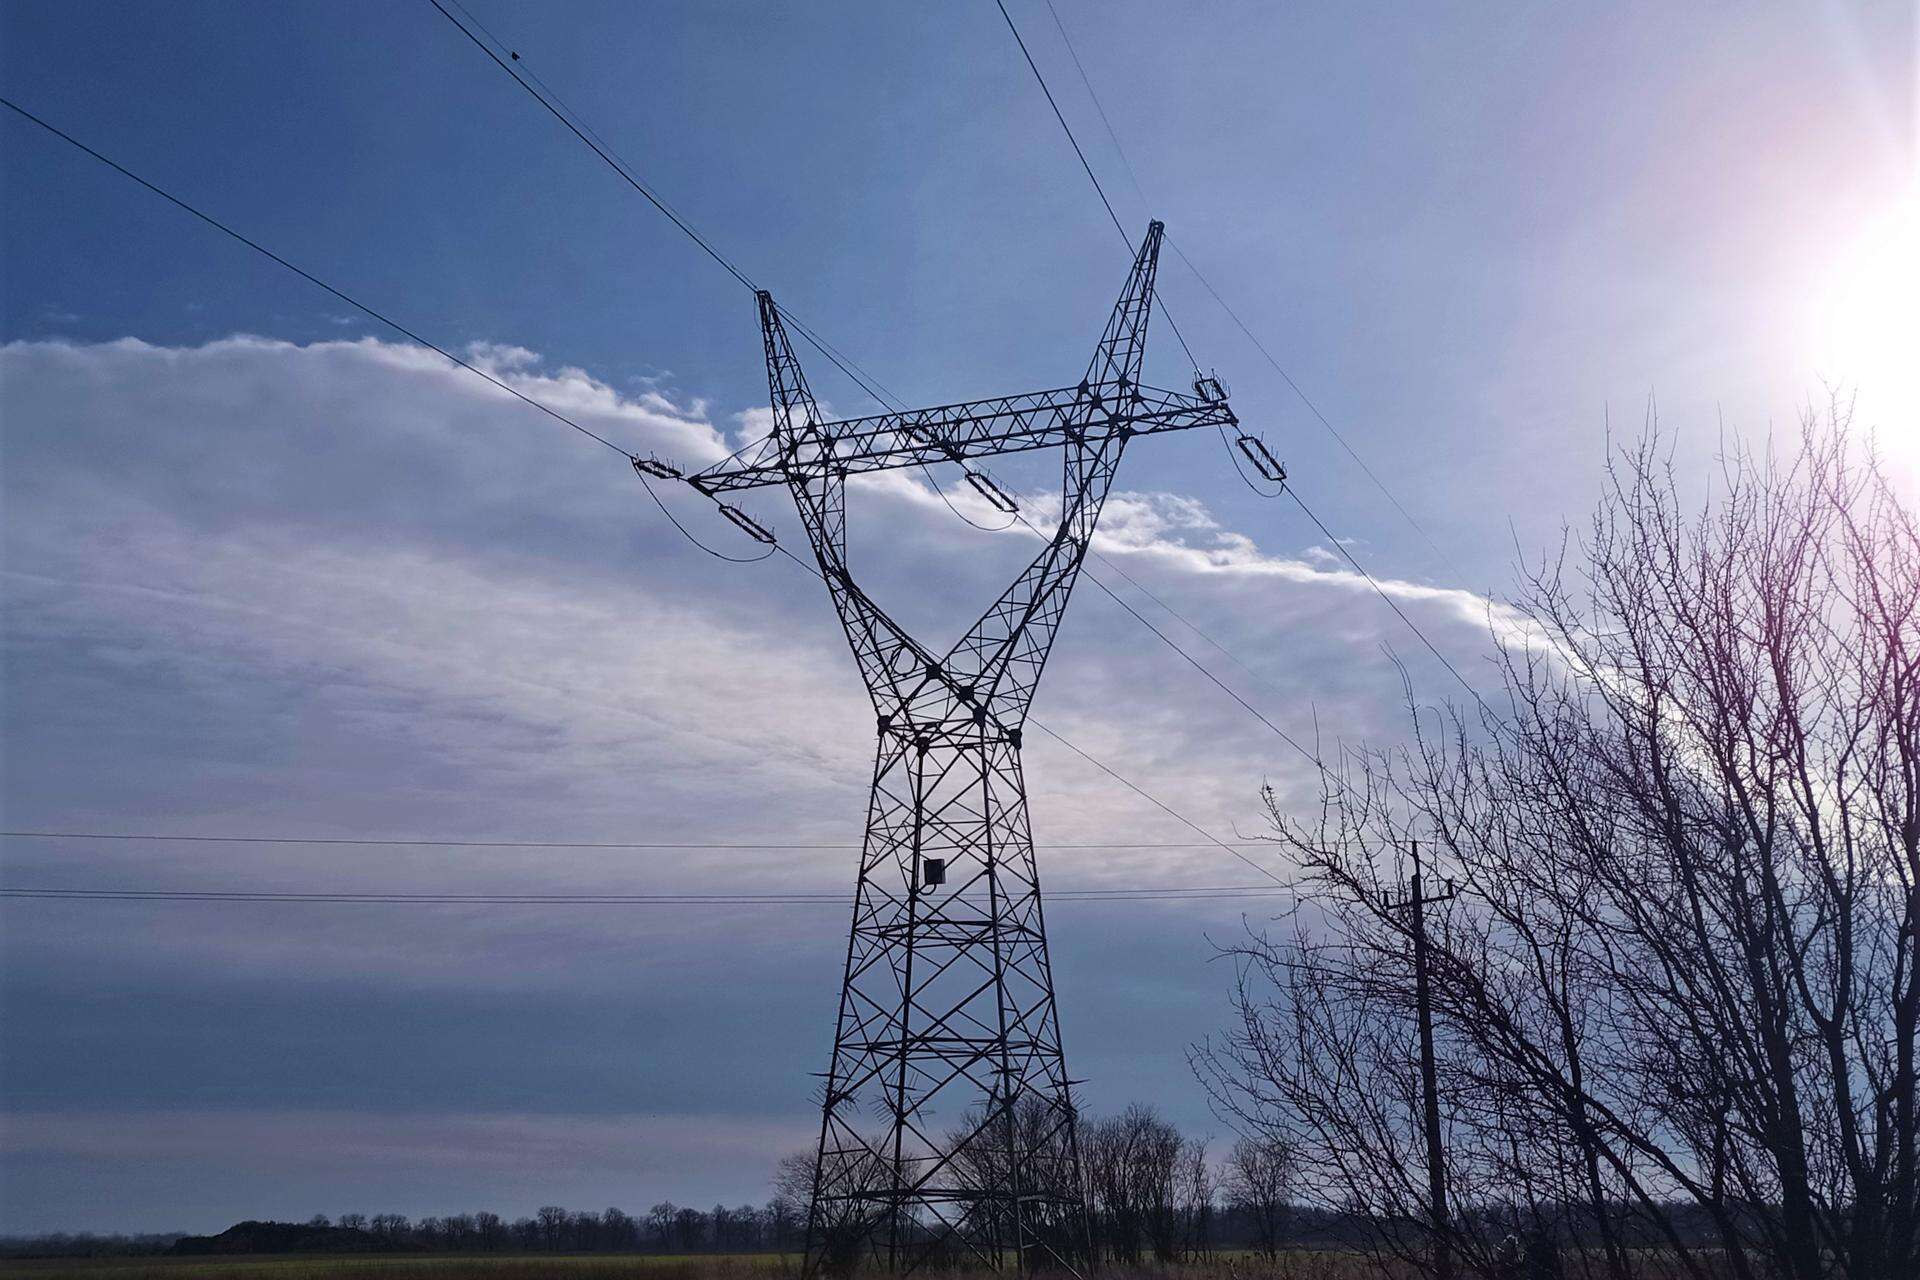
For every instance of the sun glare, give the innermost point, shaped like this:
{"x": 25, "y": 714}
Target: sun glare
{"x": 1867, "y": 338}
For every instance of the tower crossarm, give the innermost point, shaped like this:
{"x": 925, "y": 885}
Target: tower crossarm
{"x": 975, "y": 429}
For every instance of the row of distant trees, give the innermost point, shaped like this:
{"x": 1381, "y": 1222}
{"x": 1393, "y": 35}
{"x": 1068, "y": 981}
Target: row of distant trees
{"x": 1154, "y": 1194}
{"x": 667, "y": 1227}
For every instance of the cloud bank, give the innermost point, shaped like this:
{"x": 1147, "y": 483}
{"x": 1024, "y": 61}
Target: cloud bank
{"x": 346, "y": 589}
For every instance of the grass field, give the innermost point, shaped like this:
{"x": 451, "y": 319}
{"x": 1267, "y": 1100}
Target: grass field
{"x": 602, "y": 1266}
{"x": 1301, "y": 1265}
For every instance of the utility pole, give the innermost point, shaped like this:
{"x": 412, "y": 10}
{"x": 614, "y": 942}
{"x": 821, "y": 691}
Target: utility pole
{"x": 948, "y": 1133}
{"x": 1416, "y": 903}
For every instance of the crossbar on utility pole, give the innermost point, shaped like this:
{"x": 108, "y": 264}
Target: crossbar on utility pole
{"x": 1416, "y": 903}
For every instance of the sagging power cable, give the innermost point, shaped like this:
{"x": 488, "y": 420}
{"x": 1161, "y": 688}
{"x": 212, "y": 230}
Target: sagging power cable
{"x": 1339, "y": 438}
{"x": 395, "y": 897}
{"x": 1261, "y": 347}
{"x": 633, "y": 459}
{"x": 543, "y": 93}
{"x": 377, "y": 315}
{"x": 528, "y": 79}
{"x": 306, "y": 275}
{"x": 455, "y": 843}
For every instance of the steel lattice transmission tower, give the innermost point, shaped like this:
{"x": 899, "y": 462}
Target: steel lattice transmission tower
{"x": 948, "y": 998}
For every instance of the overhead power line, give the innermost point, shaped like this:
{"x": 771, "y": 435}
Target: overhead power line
{"x": 689, "y": 899}
{"x": 1290, "y": 489}
{"x": 1066, "y": 128}
{"x": 306, "y": 275}
{"x": 618, "y": 168}
{"x": 555, "y": 106}
{"x": 519, "y": 395}
{"x": 380, "y": 316}
{"x": 549, "y": 98}
{"x": 528, "y": 80}
{"x": 1390, "y": 601}
{"x": 1119, "y": 150}
{"x": 456, "y": 843}
{"x": 1195, "y": 663}
{"x": 1093, "y": 178}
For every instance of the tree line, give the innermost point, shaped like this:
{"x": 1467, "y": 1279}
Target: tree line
{"x": 1154, "y": 1193}
{"x": 778, "y": 1225}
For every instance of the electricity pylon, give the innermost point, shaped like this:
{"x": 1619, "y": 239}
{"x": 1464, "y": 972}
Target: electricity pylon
{"x": 948, "y": 997}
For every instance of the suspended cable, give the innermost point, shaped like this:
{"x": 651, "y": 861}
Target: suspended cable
{"x": 169, "y": 837}
{"x": 402, "y": 898}
{"x": 1112, "y": 136}
{"x": 1206, "y": 284}
{"x": 308, "y": 276}
{"x": 1091, "y": 176}
{"x": 1185, "y": 621}
{"x": 380, "y": 316}
{"x": 617, "y": 167}
{"x": 688, "y": 533}
{"x": 1192, "y": 661}
{"x": 1390, "y": 602}
{"x": 580, "y": 129}
{"x": 1065, "y": 127}
{"x": 555, "y": 414}
{"x": 1155, "y": 801}
{"x": 1101, "y": 192}
{"x": 548, "y": 98}
{"x": 1314, "y": 409}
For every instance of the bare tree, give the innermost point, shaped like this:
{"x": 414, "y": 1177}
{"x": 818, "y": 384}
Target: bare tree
{"x": 553, "y": 1222}
{"x": 1679, "y": 994}
{"x": 660, "y": 1219}
{"x": 837, "y": 1199}
{"x": 1150, "y": 1190}
{"x": 786, "y": 1220}
{"x": 1258, "y": 1179}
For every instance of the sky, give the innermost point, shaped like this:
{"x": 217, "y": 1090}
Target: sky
{"x": 271, "y": 570}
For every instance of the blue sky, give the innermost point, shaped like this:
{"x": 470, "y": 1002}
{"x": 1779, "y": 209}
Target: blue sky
{"x": 269, "y": 571}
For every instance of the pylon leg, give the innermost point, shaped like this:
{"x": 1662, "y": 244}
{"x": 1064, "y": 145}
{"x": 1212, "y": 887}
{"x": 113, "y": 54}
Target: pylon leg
{"x": 948, "y": 1131}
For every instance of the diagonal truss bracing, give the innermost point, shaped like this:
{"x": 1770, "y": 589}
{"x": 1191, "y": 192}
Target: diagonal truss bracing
{"x": 948, "y": 1131}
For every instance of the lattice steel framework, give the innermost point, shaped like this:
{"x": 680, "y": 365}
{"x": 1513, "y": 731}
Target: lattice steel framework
{"x": 948, "y": 997}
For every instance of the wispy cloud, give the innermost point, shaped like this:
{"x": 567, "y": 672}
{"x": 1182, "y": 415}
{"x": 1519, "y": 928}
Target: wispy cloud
{"x": 344, "y": 588}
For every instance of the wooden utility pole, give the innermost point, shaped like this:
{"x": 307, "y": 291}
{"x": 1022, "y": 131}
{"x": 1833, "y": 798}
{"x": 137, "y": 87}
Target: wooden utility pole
{"x": 1437, "y": 1219}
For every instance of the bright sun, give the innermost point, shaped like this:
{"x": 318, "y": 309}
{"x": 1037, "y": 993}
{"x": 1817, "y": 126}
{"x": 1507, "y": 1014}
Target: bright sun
{"x": 1867, "y": 329}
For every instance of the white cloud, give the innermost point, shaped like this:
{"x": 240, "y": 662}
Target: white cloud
{"x": 348, "y": 589}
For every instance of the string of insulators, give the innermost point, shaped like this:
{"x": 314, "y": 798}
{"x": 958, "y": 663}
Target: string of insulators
{"x": 747, "y": 524}
{"x": 1264, "y": 462}
{"x": 992, "y": 492}
{"x": 739, "y": 519}
{"x": 657, "y": 469}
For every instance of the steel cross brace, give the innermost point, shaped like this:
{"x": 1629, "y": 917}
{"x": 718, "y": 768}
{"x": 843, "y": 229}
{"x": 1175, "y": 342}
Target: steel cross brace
{"x": 947, "y": 1004}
